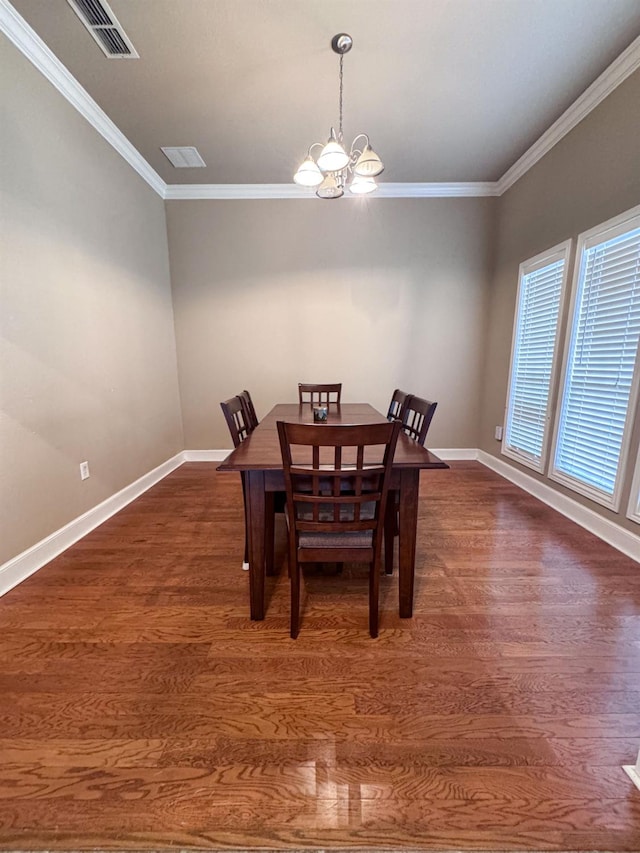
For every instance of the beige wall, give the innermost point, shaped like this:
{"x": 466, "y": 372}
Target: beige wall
{"x": 88, "y": 367}
{"x": 376, "y": 295}
{"x": 590, "y": 176}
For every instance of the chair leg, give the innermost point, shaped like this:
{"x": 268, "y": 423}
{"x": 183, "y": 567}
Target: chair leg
{"x": 245, "y": 562}
{"x": 389, "y": 533}
{"x": 374, "y": 586}
{"x": 294, "y": 576}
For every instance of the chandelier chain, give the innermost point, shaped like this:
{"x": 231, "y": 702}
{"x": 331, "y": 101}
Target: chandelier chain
{"x": 340, "y": 126}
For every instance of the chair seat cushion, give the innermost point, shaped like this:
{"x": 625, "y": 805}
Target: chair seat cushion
{"x": 351, "y": 539}
{"x": 332, "y": 539}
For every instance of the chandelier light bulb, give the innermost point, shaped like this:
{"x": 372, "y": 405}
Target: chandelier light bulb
{"x": 362, "y": 186}
{"x": 333, "y": 157}
{"x": 368, "y": 164}
{"x": 308, "y": 174}
{"x": 330, "y": 188}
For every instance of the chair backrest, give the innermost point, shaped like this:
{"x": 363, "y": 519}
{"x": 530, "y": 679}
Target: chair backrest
{"x": 398, "y": 404}
{"x": 323, "y": 393}
{"x": 235, "y": 414}
{"x": 247, "y": 402}
{"x": 417, "y": 418}
{"x": 337, "y": 478}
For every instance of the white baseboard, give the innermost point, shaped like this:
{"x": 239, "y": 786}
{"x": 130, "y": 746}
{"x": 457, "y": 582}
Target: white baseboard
{"x": 633, "y": 773}
{"x": 20, "y": 567}
{"x": 205, "y": 455}
{"x": 452, "y": 454}
{"x": 25, "y": 564}
{"x": 616, "y": 536}
{"x": 219, "y": 455}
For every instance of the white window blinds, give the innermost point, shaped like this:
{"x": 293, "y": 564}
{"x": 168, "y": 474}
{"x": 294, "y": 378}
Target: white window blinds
{"x": 593, "y": 426}
{"x": 540, "y": 293}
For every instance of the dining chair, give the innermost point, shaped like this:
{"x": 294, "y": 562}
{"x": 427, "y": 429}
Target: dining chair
{"x": 237, "y": 417}
{"x": 416, "y": 420}
{"x": 251, "y": 416}
{"x": 323, "y": 393}
{"x": 418, "y": 414}
{"x": 336, "y": 480}
{"x": 398, "y": 404}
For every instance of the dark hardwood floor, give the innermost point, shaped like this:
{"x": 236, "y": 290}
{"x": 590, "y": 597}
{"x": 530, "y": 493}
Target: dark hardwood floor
{"x": 140, "y": 708}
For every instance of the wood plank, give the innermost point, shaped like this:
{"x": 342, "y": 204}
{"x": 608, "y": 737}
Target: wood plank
{"x": 140, "y": 708}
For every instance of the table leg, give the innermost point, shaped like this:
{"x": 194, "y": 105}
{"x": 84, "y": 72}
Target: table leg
{"x": 408, "y": 523}
{"x": 269, "y": 533}
{"x": 390, "y": 530}
{"x": 256, "y": 506}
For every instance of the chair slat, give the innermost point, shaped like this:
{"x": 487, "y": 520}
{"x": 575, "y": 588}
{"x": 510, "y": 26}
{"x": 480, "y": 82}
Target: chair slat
{"x": 251, "y": 417}
{"x": 320, "y": 393}
{"x": 417, "y": 418}
{"x": 236, "y": 417}
{"x": 398, "y": 404}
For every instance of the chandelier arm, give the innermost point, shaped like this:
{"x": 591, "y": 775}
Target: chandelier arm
{"x": 353, "y": 144}
{"x": 312, "y": 146}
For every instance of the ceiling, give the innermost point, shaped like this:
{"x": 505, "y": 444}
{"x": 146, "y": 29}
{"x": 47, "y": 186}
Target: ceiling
{"x": 448, "y": 90}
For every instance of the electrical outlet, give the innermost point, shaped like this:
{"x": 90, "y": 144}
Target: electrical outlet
{"x": 84, "y": 471}
{"x": 498, "y": 433}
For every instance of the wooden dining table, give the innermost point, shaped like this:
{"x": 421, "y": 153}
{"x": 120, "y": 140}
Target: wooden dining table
{"x": 260, "y": 459}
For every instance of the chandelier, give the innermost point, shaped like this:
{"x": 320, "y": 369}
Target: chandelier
{"x": 334, "y": 166}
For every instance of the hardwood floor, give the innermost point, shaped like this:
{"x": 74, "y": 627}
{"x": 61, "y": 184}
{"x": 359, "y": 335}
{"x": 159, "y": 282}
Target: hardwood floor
{"x": 140, "y": 708}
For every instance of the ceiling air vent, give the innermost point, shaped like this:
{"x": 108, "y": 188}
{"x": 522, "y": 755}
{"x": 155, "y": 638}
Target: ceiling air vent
{"x": 185, "y": 157}
{"x": 105, "y": 28}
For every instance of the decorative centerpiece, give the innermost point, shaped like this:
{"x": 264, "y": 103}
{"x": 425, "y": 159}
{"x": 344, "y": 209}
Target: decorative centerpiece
{"x": 320, "y": 414}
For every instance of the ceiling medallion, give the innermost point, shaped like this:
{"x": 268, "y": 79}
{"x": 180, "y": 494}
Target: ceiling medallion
{"x": 334, "y": 168}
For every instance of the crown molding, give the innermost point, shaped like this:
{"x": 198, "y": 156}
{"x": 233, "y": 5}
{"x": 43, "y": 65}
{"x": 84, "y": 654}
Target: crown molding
{"x": 610, "y": 79}
{"x": 31, "y": 45}
{"x": 174, "y": 192}
{"x": 234, "y": 191}
{"x": 27, "y": 40}
{"x": 451, "y": 190}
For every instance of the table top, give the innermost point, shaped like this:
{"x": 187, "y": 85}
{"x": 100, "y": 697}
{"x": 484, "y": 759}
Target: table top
{"x": 261, "y": 450}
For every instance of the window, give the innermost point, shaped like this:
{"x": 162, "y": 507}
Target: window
{"x": 541, "y": 285}
{"x": 600, "y": 377}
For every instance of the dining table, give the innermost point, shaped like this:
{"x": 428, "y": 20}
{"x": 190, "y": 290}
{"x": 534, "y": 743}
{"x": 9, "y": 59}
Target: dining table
{"x": 259, "y": 458}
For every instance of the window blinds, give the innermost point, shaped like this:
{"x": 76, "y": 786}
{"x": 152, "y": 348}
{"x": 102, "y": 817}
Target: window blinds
{"x": 600, "y": 364}
{"x": 532, "y": 361}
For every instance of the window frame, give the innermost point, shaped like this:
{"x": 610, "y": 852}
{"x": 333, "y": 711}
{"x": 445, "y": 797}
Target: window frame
{"x": 634, "y": 499}
{"x": 608, "y": 230}
{"x": 562, "y": 251}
